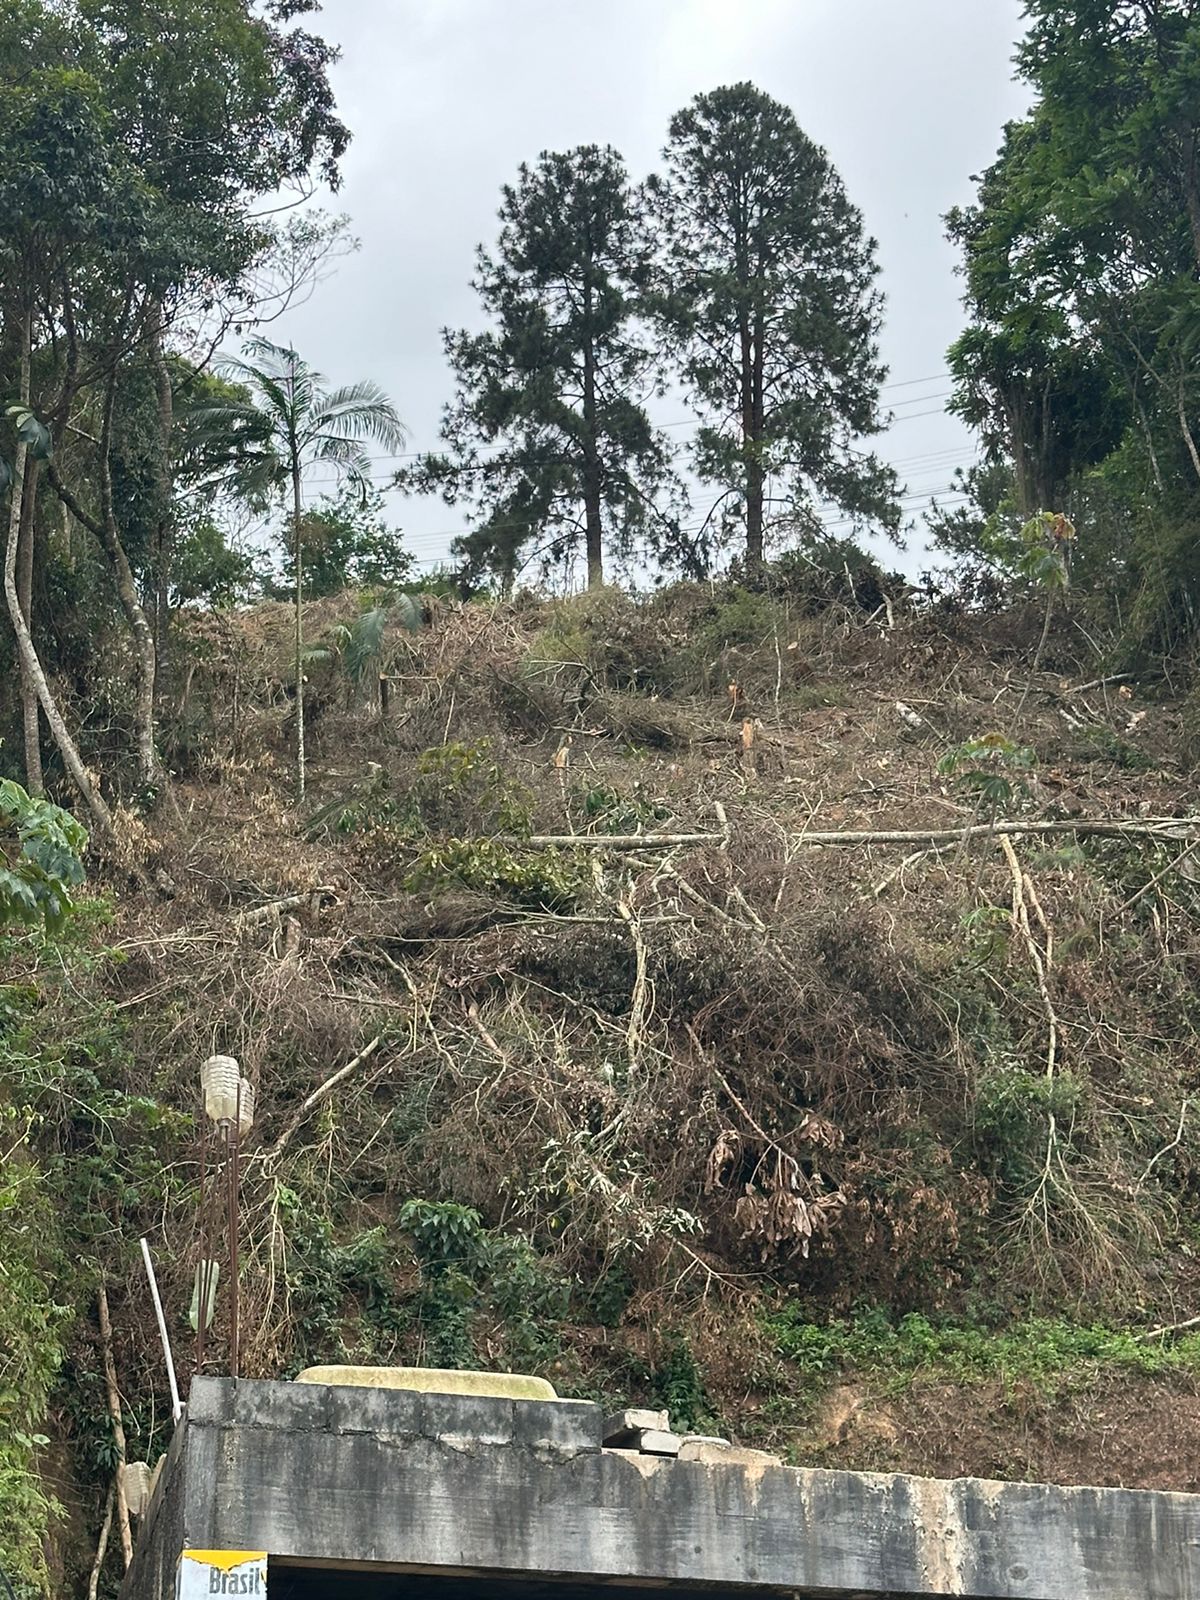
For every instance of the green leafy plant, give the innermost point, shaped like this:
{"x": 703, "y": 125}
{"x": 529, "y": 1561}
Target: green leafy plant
{"x": 989, "y": 768}
{"x": 41, "y": 847}
{"x": 1012, "y": 1106}
{"x": 678, "y": 1385}
{"x": 544, "y": 880}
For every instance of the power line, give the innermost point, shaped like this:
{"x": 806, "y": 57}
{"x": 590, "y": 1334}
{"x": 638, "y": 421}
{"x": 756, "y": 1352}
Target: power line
{"x": 687, "y": 422}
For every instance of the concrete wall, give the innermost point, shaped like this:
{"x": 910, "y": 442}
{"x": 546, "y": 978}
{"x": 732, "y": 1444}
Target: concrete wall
{"x": 464, "y": 1484}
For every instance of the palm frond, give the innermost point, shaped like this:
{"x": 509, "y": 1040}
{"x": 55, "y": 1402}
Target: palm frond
{"x": 361, "y": 410}
{"x": 348, "y": 455}
{"x": 364, "y": 646}
{"x": 281, "y": 362}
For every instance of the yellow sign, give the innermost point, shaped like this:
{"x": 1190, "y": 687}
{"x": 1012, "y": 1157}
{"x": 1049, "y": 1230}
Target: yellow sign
{"x": 206, "y": 1573}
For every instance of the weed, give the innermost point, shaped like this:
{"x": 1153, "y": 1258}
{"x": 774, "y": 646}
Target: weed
{"x": 1048, "y": 1352}
{"x": 543, "y": 880}
{"x": 677, "y": 1385}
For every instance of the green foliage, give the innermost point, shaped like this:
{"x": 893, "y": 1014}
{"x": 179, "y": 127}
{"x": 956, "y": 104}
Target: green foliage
{"x": 42, "y": 863}
{"x": 363, "y": 642}
{"x": 445, "y": 1235}
{"x": 347, "y": 543}
{"x": 1010, "y": 1119}
{"x": 1046, "y": 542}
{"x": 464, "y": 782}
{"x": 1080, "y": 262}
{"x": 986, "y": 768}
{"x": 607, "y": 809}
{"x": 550, "y": 389}
{"x": 542, "y": 880}
{"x": 341, "y": 1296}
{"x": 207, "y": 568}
{"x": 677, "y": 1384}
{"x": 742, "y": 617}
{"x": 1050, "y": 1352}
{"x": 345, "y": 1303}
{"x": 31, "y": 432}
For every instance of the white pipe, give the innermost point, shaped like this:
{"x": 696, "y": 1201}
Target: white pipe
{"x": 176, "y": 1406}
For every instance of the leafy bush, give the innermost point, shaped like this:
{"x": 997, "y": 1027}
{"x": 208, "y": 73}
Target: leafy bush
{"x": 1012, "y": 1112}
{"x": 542, "y": 880}
{"x": 41, "y": 849}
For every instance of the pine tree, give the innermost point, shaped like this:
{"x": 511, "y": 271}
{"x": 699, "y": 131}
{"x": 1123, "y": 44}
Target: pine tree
{"x": 547, "y": 436}
{"x": 768, "y": 299}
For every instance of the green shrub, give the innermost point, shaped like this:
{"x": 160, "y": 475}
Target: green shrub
{"x": 541, "y": 880}
{"x": 1011, "y": 1118}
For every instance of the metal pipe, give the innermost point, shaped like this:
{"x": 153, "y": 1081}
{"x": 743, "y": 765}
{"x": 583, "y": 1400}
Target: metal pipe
{"x": 176, "y": 1406}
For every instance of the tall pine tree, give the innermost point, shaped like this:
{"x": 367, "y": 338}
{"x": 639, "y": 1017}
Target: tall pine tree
{"x": 547, "y": 437}
{"x": 769, "y": 302}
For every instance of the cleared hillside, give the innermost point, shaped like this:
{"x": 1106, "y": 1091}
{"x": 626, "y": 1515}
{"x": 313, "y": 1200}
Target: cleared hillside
{"x": 879, "y": 1150}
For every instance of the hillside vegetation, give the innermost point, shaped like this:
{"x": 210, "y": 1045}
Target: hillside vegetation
{"x": 880, "y": 1152}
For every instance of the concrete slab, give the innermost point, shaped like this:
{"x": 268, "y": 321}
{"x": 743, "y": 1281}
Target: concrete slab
{"x": 522, "y": 1491}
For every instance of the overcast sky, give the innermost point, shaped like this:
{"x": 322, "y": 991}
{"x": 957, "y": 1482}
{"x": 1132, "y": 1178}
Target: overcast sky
{"x": 446, "y": 98}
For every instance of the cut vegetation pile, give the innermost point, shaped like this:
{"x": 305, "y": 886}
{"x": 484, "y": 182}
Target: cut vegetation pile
{"x": 577, "y": 1053}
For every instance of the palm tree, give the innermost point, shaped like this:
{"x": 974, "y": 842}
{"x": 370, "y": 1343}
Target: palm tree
{"x": 298, "y": 422}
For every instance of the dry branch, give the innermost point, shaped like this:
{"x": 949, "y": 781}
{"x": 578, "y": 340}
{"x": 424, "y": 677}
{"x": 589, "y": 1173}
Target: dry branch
{"x": 1170, "y": 1327}
{"x": 318, "y": 1098}
{"x": 102, "y": 1544}
{"x": 1158, "y": 828}
{"x": 311, "y": 899}
{"x": 118, "y": 1427}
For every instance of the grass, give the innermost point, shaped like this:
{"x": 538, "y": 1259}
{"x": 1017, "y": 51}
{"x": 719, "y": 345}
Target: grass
{"x": 1044, "y": 1351}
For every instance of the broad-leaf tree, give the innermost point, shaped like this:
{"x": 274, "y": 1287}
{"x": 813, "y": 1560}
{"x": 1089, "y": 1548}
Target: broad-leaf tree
{"x": 769, "y": 300}
{"x": 548, "y": 438}
{"x": 135, "y": 139}
{"x": 1080, "y": 258}
{"x": 301, "y": 423}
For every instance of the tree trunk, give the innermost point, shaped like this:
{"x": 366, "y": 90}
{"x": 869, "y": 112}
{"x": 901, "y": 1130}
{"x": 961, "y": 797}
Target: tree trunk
{"x": 298, "y": 557}
{"x": 1188, "y": 437}
{"x": 751, "y": 462}
{"x": 755, "y": 477}
{"x": 148, "y": 768}
{"x": 27, "y": 655}
{"x": 165, "y": 531}
{"x": 593, "y": 524}
{"x": 25, "y": 563}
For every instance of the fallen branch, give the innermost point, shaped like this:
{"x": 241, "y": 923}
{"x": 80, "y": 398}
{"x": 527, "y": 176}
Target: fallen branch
{"x": 1023, "y": 893}
{"x": 311, "y": 898}
{"x": 1101, "y": 683}
{"x": 318, "y": 1098}
{"x": 118, "y": 1427}
{"x": 1081, "y": 827}
{"x": 101, "y": 1544}
{"x": 1170, "y": 1327}
{"x": 615, "y": 841}
{"x": 1166, "y": 1149}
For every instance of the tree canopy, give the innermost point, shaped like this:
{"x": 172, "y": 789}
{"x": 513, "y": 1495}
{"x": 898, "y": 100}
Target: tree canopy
{"x": 548, "y": 437}
{"x": 769, "y": 304}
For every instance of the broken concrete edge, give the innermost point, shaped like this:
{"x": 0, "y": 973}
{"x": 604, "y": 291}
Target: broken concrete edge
{"x": 560, "y": 1426}
{"x": 622, "y": 1427}
{"x": 572, "y": 1426}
